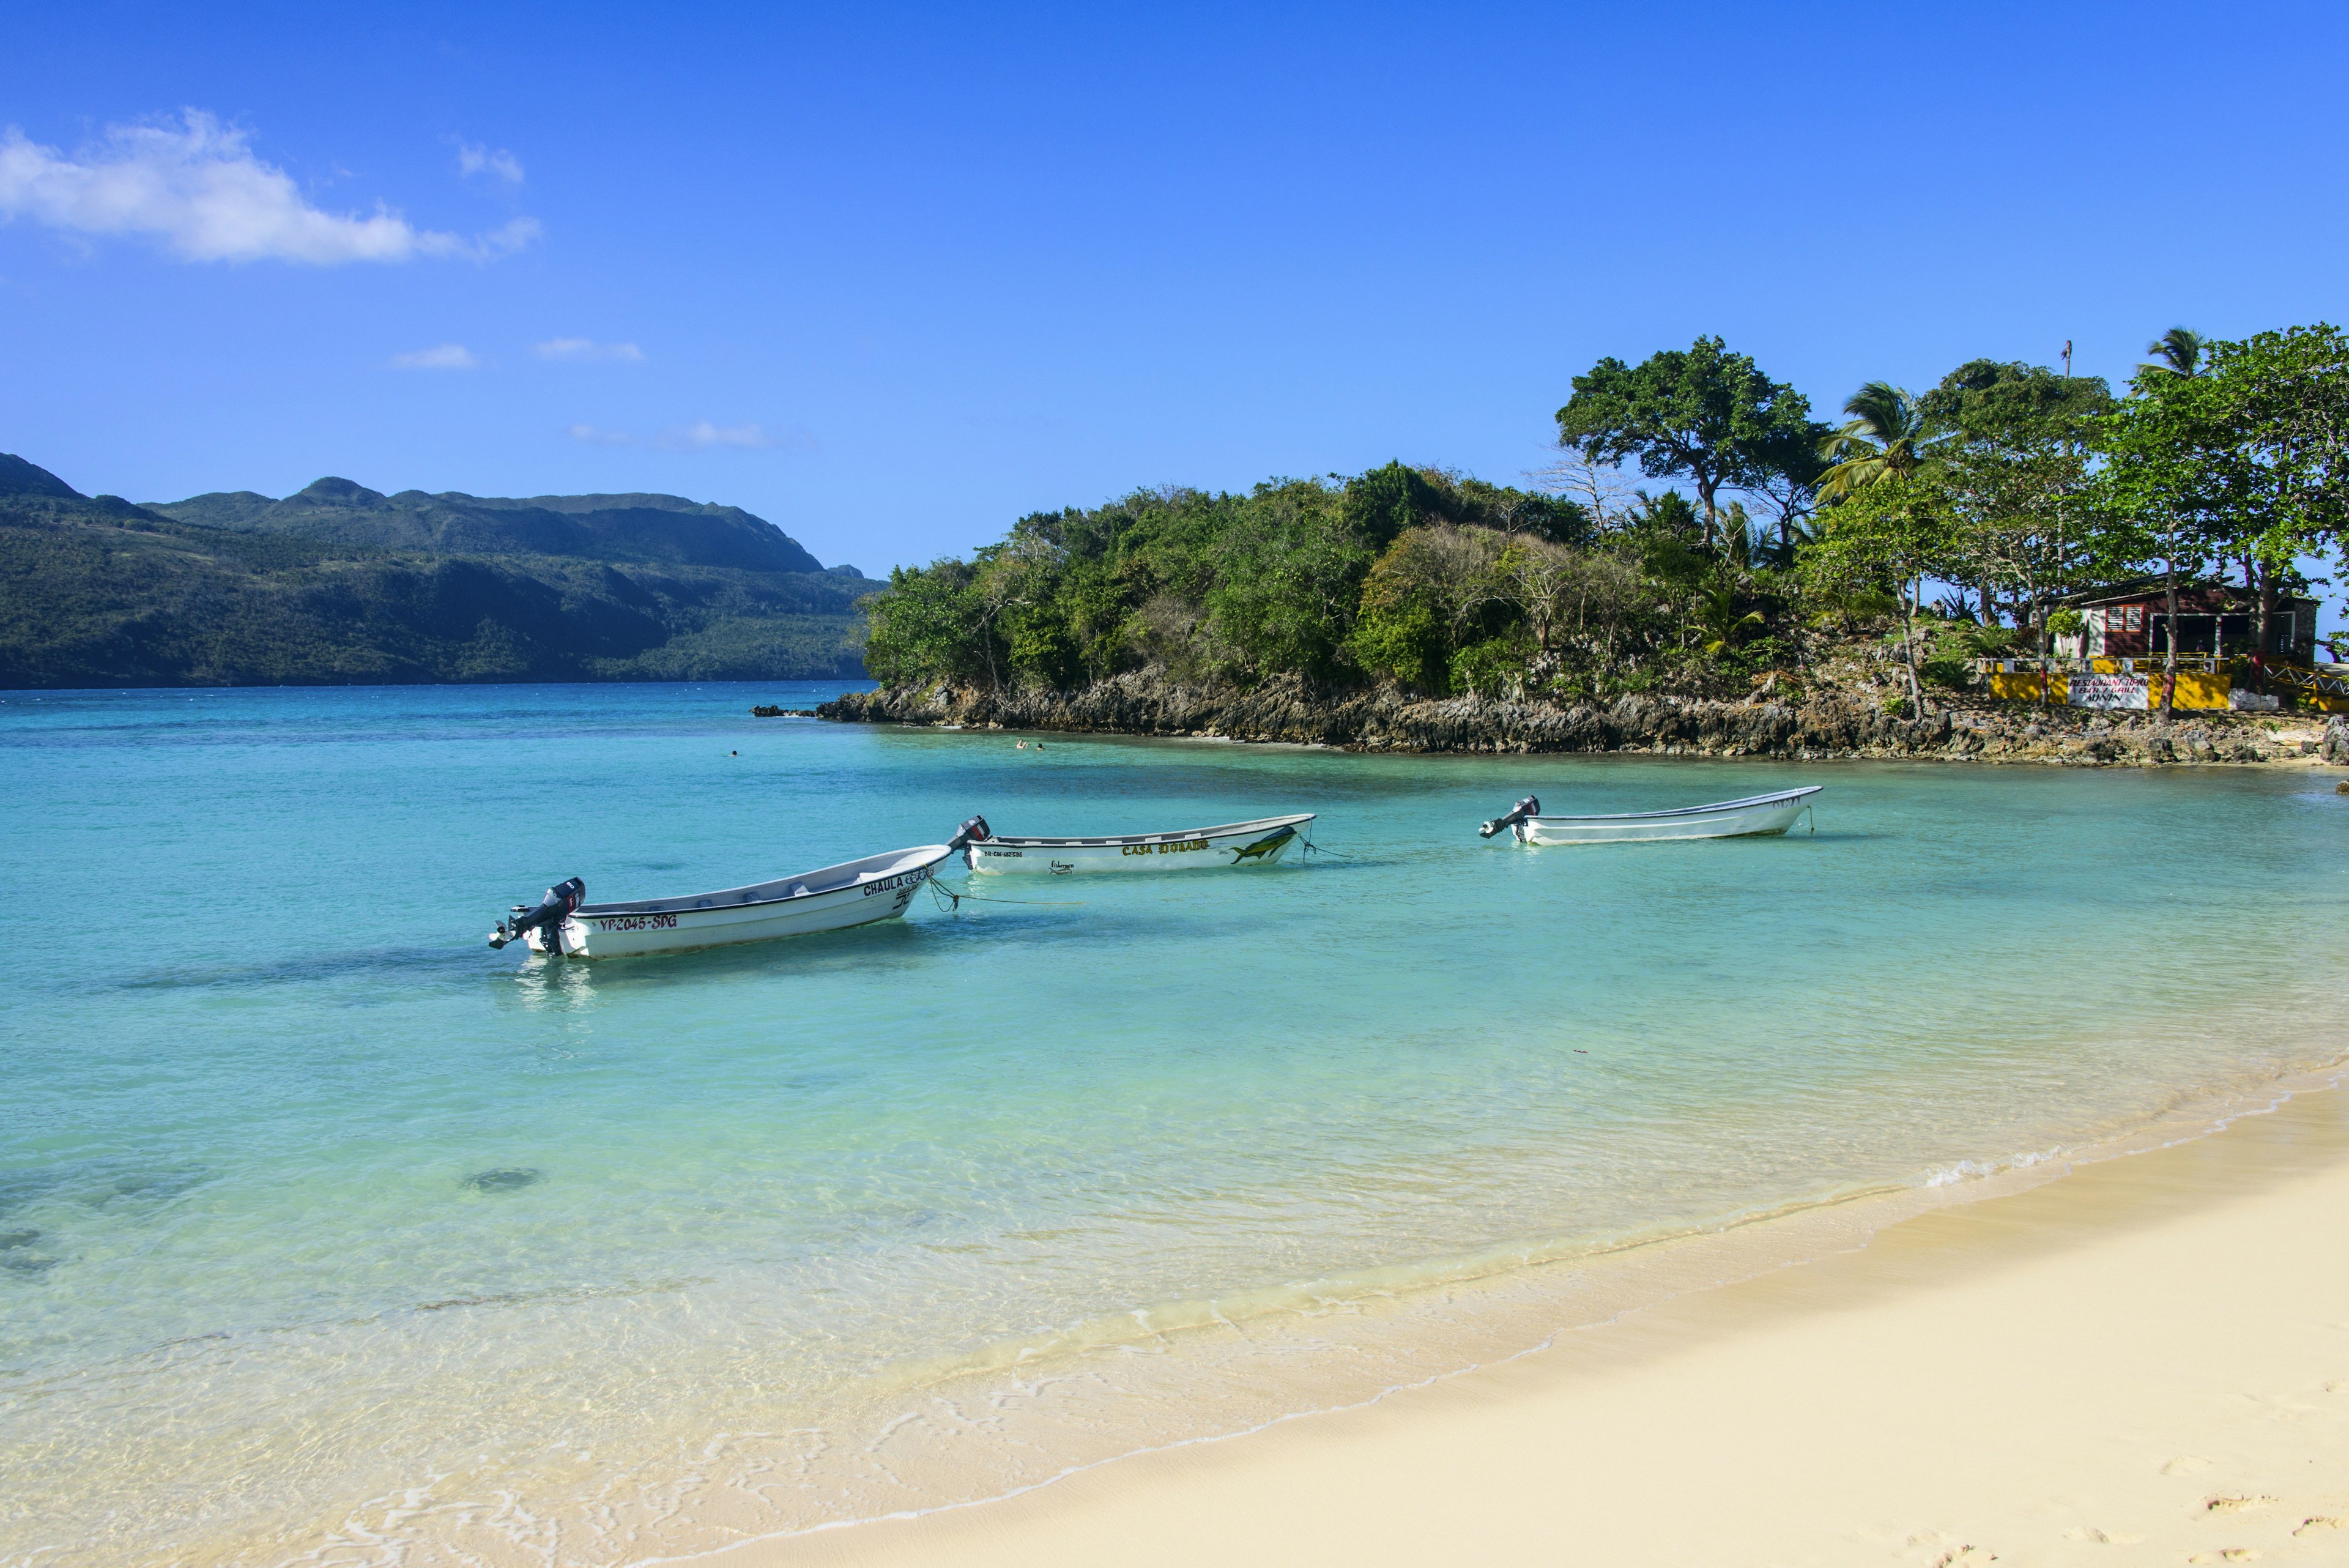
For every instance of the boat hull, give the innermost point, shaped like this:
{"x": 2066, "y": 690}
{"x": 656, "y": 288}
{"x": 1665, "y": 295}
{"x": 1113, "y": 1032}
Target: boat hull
{"x": 1764, "y": 816}
{"x": 1238, "y": 844}
{"x": 860, "y": 893}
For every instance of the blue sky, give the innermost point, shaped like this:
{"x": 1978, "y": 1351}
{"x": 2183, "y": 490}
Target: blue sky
{"x": 892, "y": 276}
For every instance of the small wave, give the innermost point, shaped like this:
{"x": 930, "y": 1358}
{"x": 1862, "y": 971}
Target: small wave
{"x": 1974, "y": 1170}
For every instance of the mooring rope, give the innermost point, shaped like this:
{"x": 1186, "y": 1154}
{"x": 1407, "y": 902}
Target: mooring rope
{"x": 938, "y": 890}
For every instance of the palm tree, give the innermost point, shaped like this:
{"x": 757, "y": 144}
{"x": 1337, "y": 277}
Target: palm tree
{"x": 1889, "y": 436}
{"x": 1717, "y": 623}
{"x": 1736, "y": 539}
{"x": 2176, "y": 353}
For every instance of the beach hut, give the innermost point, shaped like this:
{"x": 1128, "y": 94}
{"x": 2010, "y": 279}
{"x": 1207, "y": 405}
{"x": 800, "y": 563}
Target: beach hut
{"x": 2220, "y": 620}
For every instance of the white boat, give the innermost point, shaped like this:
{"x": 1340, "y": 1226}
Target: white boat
{"x": 1259, "y": 842}
{"x": 1756, "y": 815}
{"x": 858, "y": 893}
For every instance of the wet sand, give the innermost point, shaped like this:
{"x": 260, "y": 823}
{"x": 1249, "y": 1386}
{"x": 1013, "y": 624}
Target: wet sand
{"x": 2144, "y": 1361}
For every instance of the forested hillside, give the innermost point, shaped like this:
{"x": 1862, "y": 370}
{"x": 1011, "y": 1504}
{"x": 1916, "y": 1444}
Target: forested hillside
{"x": 1957, "y": 522}
{"x": 342, "y": 585}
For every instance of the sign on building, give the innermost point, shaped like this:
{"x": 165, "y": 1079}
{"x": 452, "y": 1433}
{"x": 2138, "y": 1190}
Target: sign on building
{"x": 2108, "y": 691}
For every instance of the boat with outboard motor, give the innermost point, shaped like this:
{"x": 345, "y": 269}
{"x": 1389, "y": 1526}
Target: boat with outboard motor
{"x": 1755, "y": 816}
{"x": 1259, "y": 842}
{"x": 855, "y": 893}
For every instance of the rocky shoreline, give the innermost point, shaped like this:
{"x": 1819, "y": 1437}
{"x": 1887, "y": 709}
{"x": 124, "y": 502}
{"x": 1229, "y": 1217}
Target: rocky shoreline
{"x": 1963, "y": 728}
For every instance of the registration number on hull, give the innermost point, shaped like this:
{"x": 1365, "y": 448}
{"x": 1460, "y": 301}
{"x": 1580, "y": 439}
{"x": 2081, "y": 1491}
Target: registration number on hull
{"x": 638, "y": 923}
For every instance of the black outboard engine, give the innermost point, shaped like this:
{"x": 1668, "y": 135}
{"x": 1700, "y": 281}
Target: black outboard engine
{"x": 1529, "y": 806}
{"x": 969, "y": 832}
{"x": 554, "y": 910}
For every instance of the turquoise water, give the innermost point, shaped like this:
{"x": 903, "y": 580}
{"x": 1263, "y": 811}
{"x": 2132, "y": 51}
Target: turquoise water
{"x": 325, "y": 1231}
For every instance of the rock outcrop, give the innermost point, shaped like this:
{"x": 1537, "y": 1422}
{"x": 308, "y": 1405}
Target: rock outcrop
{"x": 1385, "y": 718}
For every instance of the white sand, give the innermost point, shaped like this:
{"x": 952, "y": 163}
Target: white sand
{"x": 2145, "y": 1362}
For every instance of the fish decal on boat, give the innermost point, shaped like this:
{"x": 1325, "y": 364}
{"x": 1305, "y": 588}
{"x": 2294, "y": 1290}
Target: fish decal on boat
{"x": 1269, "y": 844}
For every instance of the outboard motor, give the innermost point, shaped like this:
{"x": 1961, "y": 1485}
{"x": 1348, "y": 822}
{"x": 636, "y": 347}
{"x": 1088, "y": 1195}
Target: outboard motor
{"x": 968, "y": 834}
{"x": 561, "y": 901}
{"x": 1529, "y": 806}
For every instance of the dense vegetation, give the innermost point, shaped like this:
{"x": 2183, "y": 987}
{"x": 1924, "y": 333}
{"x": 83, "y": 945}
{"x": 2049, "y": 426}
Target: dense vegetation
{"x": 2004, "y": 486}
{"x": 342, "y": 585}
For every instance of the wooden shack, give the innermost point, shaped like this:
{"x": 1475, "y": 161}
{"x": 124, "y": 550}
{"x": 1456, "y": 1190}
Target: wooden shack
{"x": 2131, "y": 620}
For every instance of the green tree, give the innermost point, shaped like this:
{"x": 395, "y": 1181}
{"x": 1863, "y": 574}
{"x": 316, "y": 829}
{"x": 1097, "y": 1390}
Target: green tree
{"x": 1701, "y": 412}
{"x": 1555, "y": 518}
{"x": 2020, "y": 521}
{"x": 1994, "y": 401}
{"x": 2279, "y": 404}
{"x": 1288, "y": 569}
{"x": 2012, "y": 434}
{"x": 2247, "y": 458}
{"x": 2158, "y": 495}
{"x": 1401, "y": 632}
{"x": 1380, "y": 505}
{"x": 1787, "y": 488}
{"x": 928, "y": 624}
{"x": 1890, "y": 533}
{"x": 1433, "y": 592}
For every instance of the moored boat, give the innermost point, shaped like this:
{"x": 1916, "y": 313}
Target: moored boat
{"x": 1259, "y": 842}
{"x": 855, "y": 893}
{"x": 1756, "y": 815}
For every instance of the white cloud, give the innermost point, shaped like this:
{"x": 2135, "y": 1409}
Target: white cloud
{"x": 475, "y": 159}
{"x": 448, "y": 357}
{"x": 583, "y": 349}
{"x": 702, "y": 435}
{"x": 199, "y": 188}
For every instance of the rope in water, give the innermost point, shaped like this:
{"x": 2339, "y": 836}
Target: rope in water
{"x": 938, "y": 890}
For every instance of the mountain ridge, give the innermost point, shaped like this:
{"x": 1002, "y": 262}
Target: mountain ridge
{"x": 341, "y": 583}
{"x": 641, "y": 526}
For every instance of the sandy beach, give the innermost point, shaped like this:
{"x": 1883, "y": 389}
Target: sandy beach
{"x": 2146, "y": 1361}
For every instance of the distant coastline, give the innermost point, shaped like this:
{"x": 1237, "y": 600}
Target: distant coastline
{"x": 339, "y": 585}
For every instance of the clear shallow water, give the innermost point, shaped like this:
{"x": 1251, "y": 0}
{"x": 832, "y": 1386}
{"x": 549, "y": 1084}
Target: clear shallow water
{"x": 323, "y": 1228}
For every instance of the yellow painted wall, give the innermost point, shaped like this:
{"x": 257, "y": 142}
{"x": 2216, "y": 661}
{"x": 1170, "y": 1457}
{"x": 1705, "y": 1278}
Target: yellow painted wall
{"x": 2020, "y": 688}
{"x": 2196, "y": 689}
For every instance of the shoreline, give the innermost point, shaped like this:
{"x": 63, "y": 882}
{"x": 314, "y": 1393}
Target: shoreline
{"x": 1825, "y": 725}
{"x": 1966, "y": 1298}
